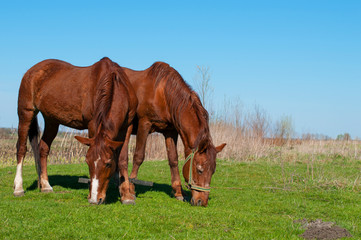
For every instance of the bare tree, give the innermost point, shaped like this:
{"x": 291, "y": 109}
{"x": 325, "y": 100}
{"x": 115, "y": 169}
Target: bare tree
{"x": 203, "y": 87}
{"x": 258, "y": 123}
{"x": 284, "y": 128}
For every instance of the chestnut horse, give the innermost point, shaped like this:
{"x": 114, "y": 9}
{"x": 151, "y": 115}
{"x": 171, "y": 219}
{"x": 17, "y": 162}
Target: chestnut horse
{"x": 98, "y": 98}
{"x": 168, "y": 105}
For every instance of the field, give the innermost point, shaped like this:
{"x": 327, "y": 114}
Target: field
{"x": 252, "y": 199}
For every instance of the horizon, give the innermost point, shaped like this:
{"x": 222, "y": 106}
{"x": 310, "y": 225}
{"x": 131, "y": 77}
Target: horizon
{"x": 300, "y": 59}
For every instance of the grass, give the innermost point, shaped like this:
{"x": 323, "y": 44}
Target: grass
{"x": 249, "y": 200}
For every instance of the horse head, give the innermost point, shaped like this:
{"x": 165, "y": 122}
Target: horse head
{"x": 198, "y": 170}
{"x": 102, "y": 160}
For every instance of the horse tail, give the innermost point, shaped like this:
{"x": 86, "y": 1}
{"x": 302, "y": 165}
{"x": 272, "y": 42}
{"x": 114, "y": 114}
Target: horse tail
{"x": 34, "y": 135}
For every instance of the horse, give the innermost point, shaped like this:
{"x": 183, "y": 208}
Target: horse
{"x": 168, "y": 105}
{"x": 99, "y": 98}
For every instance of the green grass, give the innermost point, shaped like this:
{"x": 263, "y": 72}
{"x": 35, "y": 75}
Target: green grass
{"x": 257, "y": 200}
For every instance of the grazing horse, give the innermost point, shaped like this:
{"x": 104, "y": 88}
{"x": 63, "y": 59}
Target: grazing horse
{"x": 98, "y": 98}
{"x": 168, "y": 105}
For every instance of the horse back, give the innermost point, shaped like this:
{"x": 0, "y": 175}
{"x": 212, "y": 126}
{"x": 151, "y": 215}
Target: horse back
{"x": 61, "y": 91}
{"x": 162, "y": 93}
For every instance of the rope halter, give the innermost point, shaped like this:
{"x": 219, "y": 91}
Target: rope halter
{"x": 189, "y": 183}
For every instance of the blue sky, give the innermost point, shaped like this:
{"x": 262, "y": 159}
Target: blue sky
{"x": 295, "y": 58}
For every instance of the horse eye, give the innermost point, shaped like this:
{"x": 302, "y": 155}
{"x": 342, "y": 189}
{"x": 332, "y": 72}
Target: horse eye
{"x": 108, "y": 163}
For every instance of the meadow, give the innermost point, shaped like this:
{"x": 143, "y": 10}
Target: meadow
{"x": 261, "y": 196}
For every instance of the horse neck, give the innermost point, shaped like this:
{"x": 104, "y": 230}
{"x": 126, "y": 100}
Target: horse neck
{"x": 190, "y": 131}
{"x": 113, "y": 133}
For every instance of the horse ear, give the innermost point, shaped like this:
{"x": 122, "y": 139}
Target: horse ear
{"x": 220, "y": 147}
{"x": 113, "y": 144}
{"x": 83, "y": 140}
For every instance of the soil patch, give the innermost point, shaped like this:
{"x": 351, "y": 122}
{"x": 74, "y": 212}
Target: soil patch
{"x": 317, "y": 229}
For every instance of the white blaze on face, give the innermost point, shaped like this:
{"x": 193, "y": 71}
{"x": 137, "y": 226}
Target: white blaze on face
{"x": 94, "y": 192}
{"x": 94, "y": 184}
{"x": 96, "y": 162}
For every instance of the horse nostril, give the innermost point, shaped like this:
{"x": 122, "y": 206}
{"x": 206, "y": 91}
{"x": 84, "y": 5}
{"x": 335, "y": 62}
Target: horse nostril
{"x": 192, "y": 201}
{"x": 100, "y": 201}
{"x": 199, "y": 202}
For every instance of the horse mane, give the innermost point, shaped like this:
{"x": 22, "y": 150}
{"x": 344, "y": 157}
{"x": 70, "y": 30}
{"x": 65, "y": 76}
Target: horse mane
{"x": 103, "y": 101}
{"x": 180, "y": 95}
{"x": 104, "y": 96}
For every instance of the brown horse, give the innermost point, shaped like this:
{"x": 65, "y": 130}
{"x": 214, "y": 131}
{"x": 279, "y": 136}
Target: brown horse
{"x": 98, "y": 98}
{"x": 166, "y": 104}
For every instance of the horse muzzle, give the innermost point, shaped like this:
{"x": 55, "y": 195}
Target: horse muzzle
{"x": 199, "y": 202}
{"x": 96, "y": 202}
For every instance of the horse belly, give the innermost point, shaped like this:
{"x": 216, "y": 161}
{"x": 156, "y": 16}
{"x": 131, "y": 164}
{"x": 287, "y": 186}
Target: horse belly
{"x": 63, "y": 106}
{"x": 67, "y": 115}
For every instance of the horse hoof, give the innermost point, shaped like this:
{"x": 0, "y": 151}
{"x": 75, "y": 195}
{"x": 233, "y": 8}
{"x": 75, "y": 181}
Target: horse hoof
{"x": 47, "y": 190}
{"x": 180, "y": 198}
{"x": 19, "y": 193}
{"x": 128, "y": 202}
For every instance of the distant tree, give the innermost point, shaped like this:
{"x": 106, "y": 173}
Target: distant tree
{"x": 284, "y": 128}
{"x": 343, "y": 137}
{"x": 258, "y": 122}
{"x": 346, "y": 137}
{"x": 203, "y": 86}
{"x": 339, "y": 137}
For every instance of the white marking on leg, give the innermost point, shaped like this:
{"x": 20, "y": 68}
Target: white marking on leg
{"x": 94, "y": 191}
{"x": 45, "y": 186}
{"x": 18, "y": 182}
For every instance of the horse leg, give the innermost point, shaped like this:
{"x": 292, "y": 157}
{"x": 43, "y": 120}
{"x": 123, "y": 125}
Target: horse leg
{"x": 141, "y": 141}
{"x": 26, "y": 117}
{"x": 171, "y": 138}
{"x": 126, "y": 189}
{"x": 50, "y": 131}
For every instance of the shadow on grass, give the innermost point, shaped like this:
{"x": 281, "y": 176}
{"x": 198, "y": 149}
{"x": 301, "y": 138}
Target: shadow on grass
{"x": 71, "y": 182}
{"x": 113, "y": 193}
{"x": 161, "y": 187}
{"x": 65, "y": 181}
